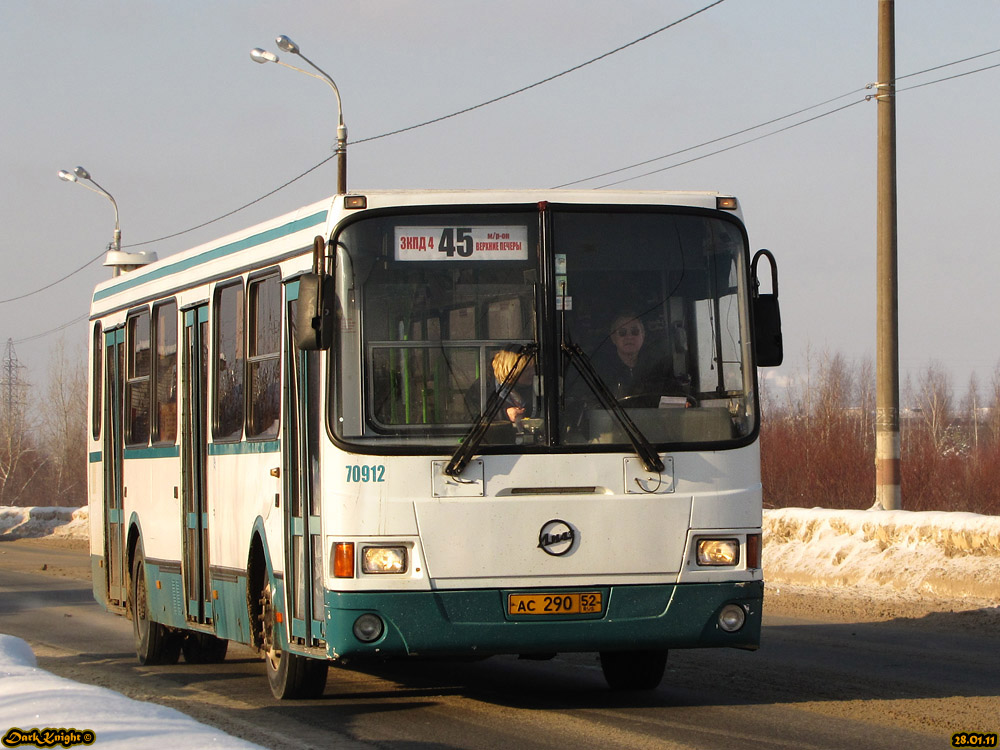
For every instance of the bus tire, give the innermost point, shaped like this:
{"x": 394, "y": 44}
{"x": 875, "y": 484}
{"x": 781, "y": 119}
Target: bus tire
{"x": 154, "y": 643}
{"x": 633, "y": 670}
{"x": 204, "y": 648}
{"x": 288, "y": 675}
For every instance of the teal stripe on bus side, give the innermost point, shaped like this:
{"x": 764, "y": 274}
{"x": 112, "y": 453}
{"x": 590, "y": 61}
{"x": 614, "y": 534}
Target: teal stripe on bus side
{"x": 219, "y": 252}
{"x": 232, "y": 449}
{"x": 95, "y": 457}
{"x": 157, "y": 451}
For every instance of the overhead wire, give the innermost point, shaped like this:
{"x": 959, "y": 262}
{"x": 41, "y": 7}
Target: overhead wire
{"x": 53, "y": 283}
{"x": 775, "y": 120}
{"x": 586, "y": 179}
{"x": 442, "y": 118}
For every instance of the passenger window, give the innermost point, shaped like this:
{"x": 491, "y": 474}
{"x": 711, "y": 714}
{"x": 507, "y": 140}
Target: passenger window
{"x": 229, "y": 363}
{"x": 263, "y": 371}
{"x": 137, "y": 381}
{"x": 165, "y": 373}
{"x": 96, "y": 382}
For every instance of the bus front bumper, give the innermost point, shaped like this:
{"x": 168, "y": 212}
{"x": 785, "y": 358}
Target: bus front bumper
{"x": 478, "y": 622}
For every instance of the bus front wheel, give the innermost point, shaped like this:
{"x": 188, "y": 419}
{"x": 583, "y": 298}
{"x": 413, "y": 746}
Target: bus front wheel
{"x": 289, "y": 675}
{"x": 154, "y": 643}
{"x": 633, "y": 670}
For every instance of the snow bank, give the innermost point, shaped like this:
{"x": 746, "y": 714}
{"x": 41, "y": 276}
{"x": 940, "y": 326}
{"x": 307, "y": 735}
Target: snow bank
{"x": 946, "y": 555}
{"x": 33, "y": 699}
{"x": 21, "y": 523}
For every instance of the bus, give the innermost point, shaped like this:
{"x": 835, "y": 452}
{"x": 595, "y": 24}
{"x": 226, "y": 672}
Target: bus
{"x": 301, "y": 438}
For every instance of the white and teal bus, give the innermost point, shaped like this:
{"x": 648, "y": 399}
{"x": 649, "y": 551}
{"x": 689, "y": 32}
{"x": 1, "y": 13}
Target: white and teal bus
{"x": 299, "y": 441}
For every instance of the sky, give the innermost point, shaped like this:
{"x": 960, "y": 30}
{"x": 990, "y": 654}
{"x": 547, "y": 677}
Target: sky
{"x": 163, "y": 105}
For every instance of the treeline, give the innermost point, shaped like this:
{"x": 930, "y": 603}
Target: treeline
{"x": 818, "y": 439}
{"x": 43, "y": 436}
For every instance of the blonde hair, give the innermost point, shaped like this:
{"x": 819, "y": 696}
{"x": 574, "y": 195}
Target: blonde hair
{"x": 505, "y": 360}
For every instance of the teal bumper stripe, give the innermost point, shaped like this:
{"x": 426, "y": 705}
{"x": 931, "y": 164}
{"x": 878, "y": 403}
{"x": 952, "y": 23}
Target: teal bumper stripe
{"x": 455, "y": 623}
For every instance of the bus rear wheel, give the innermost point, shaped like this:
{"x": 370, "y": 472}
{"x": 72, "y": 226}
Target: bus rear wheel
{"x": 154, "y": 643}
{"x": 289, "y": 675}
{"x": 633, "y": 670}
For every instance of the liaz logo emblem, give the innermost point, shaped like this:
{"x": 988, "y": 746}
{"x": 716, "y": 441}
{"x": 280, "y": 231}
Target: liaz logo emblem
{"x": 556, "y": 538}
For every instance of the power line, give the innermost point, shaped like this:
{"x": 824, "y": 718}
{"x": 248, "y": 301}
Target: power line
{"x": 52, "y": 284}
{"x": 435, "y": 120}
{"x": 574, "y": 182}
{"x": 728, "y": 148}
{"x": 708, "y": 143}
{"x": 546, "y": 80}
{"x": 778, "y": 119}
{"x": 52, "y": 330}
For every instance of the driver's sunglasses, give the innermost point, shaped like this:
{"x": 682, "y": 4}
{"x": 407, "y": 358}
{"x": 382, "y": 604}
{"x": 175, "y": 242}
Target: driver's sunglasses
{"x": 633, "y": 331}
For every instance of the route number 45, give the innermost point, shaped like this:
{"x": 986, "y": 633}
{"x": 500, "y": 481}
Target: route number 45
{"x": 457, "y": 240}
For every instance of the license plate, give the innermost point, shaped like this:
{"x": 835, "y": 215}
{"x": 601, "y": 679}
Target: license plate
{"x": 577, "y": 603}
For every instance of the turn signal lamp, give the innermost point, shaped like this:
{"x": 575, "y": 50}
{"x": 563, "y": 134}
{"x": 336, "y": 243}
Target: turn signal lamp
{"x": 343, "y": 560}
{"x": 725, "y": 203}
{"x": 718, "y": 552}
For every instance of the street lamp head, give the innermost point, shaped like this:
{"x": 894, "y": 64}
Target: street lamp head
{"x": 287, "y": 45}
{"x": 67, "y": 176}
{"x": 262, "y": 56}
{"x": 82, "y": 173}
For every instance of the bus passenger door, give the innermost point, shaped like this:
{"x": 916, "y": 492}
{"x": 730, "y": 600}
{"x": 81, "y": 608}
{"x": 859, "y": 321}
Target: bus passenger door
{"x": 194, "y": 385}
{"x": 300, "y": 445}
{"x": 114, "y": 543}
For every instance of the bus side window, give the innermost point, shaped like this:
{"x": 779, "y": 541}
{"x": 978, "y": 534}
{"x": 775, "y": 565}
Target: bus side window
{"x": 263, "y": 377}
{"x": 97, "y": 382}
{"x": 137, "y": 382}
{"x": 165, "y": 373}
{"x": 229, "y": 362}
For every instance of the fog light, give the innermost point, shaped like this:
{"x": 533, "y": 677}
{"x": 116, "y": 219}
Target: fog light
{"x": 732, "y": 617}
{"x": 368, "y": 628}
{"x": 718, "y": 551}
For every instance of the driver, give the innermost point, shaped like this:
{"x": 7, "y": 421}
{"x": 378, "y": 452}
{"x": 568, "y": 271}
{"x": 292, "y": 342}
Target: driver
{"x": 630, "y": 371}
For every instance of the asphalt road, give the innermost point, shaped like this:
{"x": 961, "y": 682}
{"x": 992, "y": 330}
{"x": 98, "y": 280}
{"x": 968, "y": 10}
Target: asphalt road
{"x": 828, "y": 675}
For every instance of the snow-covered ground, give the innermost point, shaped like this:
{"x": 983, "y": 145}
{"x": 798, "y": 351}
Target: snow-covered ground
{"x": 950, "y": 558}
{"x": 32, "y": 699}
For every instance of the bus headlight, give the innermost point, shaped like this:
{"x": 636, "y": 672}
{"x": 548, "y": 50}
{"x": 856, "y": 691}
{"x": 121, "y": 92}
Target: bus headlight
{"x": 383, "y": 559}
{"x": 718, "y": 551}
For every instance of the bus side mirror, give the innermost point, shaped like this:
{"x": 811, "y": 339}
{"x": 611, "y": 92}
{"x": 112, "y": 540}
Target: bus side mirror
{"x": 314, "y": 312}
{"x": 766, "y": 316}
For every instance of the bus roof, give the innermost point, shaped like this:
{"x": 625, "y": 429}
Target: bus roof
{"x": 290, "y": 234}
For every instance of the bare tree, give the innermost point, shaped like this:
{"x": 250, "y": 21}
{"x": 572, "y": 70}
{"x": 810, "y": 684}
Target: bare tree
{"x": 20, "y": 462}
{"x": 64, "y": 426}
{"x": 934, "y": 400}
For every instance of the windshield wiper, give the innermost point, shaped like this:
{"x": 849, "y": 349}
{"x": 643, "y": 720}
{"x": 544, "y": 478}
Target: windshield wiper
{"x": 467, "y": 449}
{"x": 648, "y": 456}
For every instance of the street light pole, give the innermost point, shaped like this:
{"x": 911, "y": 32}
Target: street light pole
{"x": 118, "y": 260}
{"x": 82, "y": 174}
{"x": 285, "y": 44}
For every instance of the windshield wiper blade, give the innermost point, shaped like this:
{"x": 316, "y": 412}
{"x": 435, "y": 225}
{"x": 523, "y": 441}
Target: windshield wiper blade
{"x": 647, "y": 454}
{"x": 467, "y": 448}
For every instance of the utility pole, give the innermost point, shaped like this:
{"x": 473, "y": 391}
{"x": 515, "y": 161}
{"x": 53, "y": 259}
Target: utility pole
{"x": 887, "y": 439}
{"x": 10, "y": 384}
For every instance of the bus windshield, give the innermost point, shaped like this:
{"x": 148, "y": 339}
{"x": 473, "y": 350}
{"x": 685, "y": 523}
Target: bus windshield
{"x": 453, "y": 319}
